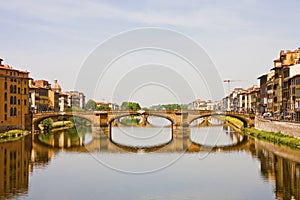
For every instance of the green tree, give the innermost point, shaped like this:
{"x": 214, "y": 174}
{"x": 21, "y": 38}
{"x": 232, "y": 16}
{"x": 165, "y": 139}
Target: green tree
{"x": 91, "y": 105}
{"x": 47, "y": 124}
{"x": 103, "y": 107}
{"x": 130, "y": 106}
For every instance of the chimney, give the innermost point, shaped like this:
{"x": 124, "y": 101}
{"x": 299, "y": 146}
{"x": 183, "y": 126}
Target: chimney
{"x": 282, "y": 52}
{"x": 2, "y": 60}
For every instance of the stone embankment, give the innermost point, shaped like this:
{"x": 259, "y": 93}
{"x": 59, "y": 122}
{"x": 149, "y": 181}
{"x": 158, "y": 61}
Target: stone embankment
{"x": 287, "y": 128}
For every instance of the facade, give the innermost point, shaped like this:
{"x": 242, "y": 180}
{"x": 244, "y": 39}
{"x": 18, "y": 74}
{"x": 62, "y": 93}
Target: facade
{"x": 270, "y": 93}
{"x": 294, "y": 99}
{"x": 39, "y": 94}
{"x": 13, "y": 97}
{"x": 199, "y": 104}
{"x": 263, "y": 93}
{"x": 76, "y": 99}
{"x": 43, "y": 97}
{"x": 282, "y": 65}
{"x": 71, "y": 99}
{"x": 63, "y": 101}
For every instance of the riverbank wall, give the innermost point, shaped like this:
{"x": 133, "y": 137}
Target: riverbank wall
{"x": 287, "y": 128}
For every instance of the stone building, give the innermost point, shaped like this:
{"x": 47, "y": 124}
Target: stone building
{"x": 13, "y": 97}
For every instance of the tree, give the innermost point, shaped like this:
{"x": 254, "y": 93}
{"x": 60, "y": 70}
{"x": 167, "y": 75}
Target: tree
{"x": 47, "y": 124}
{"x": 91, "y": 105}
{"x": 102, "y": 107}
{"x": 130, "y": 106}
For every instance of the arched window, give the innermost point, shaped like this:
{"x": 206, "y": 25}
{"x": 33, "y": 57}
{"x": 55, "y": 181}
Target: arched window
{"x": 15, "y": 89}
{"x": 15, "y": 111}
{"x": 11, "y": 89}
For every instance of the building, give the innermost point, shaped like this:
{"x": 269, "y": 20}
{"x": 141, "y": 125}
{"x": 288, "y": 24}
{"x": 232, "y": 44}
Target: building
{"x": 294, "y": 99}
{"x": 63, "y": 101}
{"x": 39, "y": 94}
{"x": 263, "y": 93}
{"x": 270, "y": 85}
{"x": 71, "y": 99}
{"x": 281, "y": 98}
{"x": 43, "y": 96}
{"x": 54, "y": 97}
{"x": 76, "y": 99}
{"x": 13, "y": 97}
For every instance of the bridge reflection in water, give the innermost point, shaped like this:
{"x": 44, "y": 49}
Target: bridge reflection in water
{"x": 279, "y": 165}
{"x": 180, "y": 139}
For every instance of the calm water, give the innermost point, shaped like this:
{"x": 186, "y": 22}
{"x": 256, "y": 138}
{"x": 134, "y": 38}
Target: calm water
{"x": 215, "y": 163}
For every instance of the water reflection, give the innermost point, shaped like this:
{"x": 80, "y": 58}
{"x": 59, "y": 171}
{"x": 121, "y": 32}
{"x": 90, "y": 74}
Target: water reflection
{"x": 216, "y": 136}
{"x": 141, "y": 137}
{"x": 279, "y": 166}
{"x": 66, "y": 138}
{"x": 14, "y": 167}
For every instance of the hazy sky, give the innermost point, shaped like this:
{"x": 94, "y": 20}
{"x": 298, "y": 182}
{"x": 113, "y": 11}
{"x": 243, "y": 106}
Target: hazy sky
{"x": 52, "y": 39}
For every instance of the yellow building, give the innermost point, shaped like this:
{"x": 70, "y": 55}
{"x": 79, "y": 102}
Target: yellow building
{"x": 13, "y": 97}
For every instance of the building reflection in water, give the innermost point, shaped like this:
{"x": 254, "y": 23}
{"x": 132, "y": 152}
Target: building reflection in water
{"x": 282, "y": 166}
{"x": 279, "y": 165}
{"x": 14, "y": 167}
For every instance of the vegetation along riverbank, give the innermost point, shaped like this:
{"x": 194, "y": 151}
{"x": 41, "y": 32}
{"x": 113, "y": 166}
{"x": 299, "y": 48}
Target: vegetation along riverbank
{"x": 277, "y": 138}
{"x": 12, "y": 135}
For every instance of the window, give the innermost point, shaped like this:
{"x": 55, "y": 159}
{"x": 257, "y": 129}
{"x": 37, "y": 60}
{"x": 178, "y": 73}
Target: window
{"x": 297, "y": 81}
{"x": 5, "y": 85}
{"x": 11, "y": 112}
{"x": 11, "y": 89}
{"x": 5, "y": 108}
{"x": 19, "y": 102}
{"x": 286, "y": 74}
{"x": 25, "y": 102}
{"x": 15, "y": 111}
{"x": 5, "y": 96}
{"x": 11, "y": 100}
{"x": 15, "y": 100}
{"x": 5, "y": 117}
{"x": 25, "y": 91}
{"x": 15, "y": 89}
{"x": 19, "y": 91}
{"x": 297, "y": 92}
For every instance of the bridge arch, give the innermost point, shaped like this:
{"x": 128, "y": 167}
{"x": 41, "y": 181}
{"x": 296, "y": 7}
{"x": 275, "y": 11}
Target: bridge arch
{"x": 242, "y": 118}
{"x": 142, "y": 115}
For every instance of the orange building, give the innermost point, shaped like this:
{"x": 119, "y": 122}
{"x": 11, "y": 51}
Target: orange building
{"x": 13, "y": 97}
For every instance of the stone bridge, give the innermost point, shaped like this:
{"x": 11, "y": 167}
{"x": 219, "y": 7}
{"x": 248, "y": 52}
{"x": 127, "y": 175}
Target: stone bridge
{"x": 178, "y": 118}
{"x": 102, "y": 121}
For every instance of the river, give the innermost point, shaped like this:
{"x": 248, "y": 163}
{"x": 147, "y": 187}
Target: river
{"x": 148, "y": 163}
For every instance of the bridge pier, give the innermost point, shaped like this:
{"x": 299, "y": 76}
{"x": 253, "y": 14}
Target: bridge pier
{"x": 181, "y": 135}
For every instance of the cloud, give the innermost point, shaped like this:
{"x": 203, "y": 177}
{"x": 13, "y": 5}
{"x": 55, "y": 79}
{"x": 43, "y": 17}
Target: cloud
{"x": 59, "y": 13}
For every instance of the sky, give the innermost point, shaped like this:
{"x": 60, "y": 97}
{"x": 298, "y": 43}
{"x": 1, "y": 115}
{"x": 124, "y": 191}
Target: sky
{"x": 55, "y": 39}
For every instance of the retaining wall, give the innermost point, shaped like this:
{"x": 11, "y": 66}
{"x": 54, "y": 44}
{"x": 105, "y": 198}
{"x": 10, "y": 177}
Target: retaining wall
{"x": 289, "y": 128}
